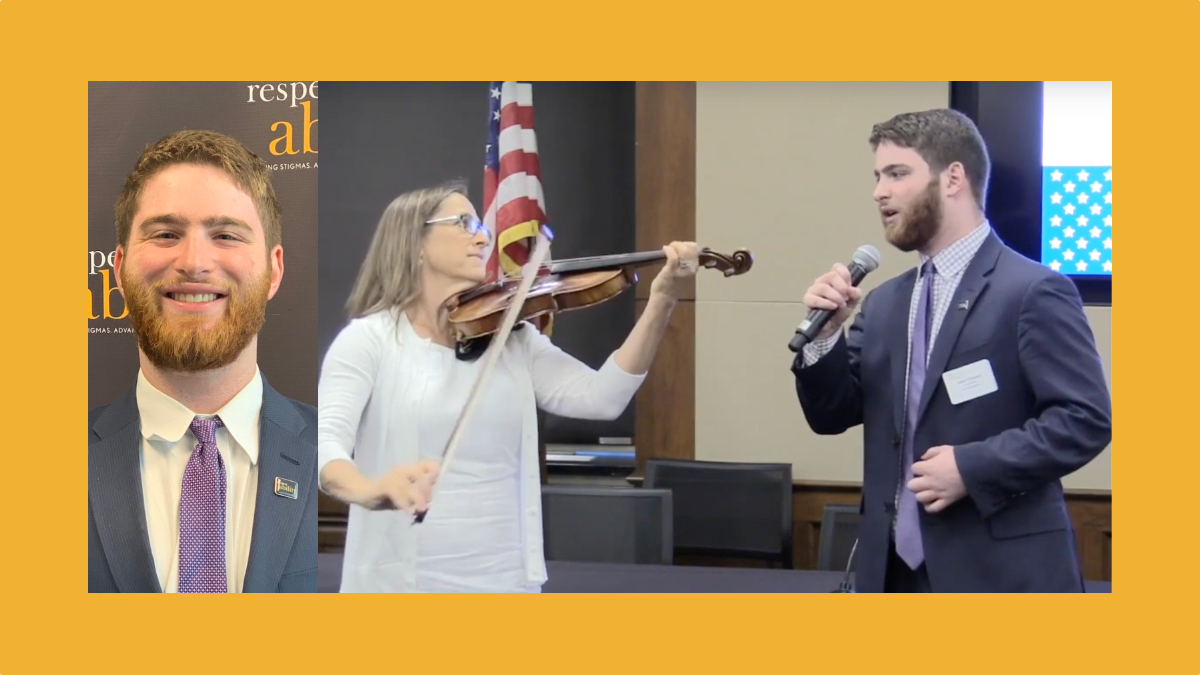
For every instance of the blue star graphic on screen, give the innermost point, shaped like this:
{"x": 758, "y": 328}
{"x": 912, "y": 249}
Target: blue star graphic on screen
{"x": 1077, "y": 219}
{"x": 1077, "y": 178}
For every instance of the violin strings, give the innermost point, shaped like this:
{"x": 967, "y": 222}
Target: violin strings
{"x": 631, "y": 258}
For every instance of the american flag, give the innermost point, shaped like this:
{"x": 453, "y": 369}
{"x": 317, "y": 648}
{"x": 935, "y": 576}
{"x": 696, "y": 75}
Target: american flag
{"x": 513, "y": 205}
{"x": 1077, "y": 219}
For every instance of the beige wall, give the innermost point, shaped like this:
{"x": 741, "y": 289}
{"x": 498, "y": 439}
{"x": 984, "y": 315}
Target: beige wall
{"x": 784, "y": 170}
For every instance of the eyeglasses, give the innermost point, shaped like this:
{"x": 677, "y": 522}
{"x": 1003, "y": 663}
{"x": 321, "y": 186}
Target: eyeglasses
{"x": 467, "y": 223}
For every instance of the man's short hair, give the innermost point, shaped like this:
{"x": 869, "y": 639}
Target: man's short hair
{"x": 246, "y": 169}
{"x": 941, "y": 137}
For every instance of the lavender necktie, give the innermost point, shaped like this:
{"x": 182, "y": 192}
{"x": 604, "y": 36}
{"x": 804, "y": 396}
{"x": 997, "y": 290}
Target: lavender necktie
{"x": 908, "y": 524}
{"x": 202, "y": 514}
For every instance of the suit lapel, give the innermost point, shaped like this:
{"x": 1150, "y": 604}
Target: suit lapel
{"x": 282, "y": 454}
{"x": 115, "y": 492}
{"x": 964, "y": 302}
{"x": 897, "y": 325}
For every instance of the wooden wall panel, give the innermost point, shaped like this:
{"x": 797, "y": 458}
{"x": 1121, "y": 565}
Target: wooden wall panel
{"x": 1091, "y": 513}
{"x": 332, "y": 517}
{"x": 665, "y": 423}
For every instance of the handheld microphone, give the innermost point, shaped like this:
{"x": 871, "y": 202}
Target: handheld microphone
{"x": 865, "y": 260}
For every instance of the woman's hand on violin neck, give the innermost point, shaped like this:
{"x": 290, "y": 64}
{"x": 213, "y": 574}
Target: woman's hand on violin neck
{"x": 638, "y": 350}
{"x": 683, "y": 259}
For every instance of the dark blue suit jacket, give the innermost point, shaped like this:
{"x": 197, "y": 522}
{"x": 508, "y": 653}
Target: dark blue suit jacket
{"x": 1051, "y": 415}
{"x": 283, "y": 548}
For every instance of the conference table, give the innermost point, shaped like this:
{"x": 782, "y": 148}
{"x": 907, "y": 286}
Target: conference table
{"x": 588, "y": 577}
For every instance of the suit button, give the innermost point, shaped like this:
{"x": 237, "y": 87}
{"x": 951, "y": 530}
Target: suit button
{"x": 895, "y": 441}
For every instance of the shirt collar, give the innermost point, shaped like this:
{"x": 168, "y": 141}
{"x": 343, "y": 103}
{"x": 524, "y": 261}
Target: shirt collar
{"x": 953, "y": 260}
{"x": 165, "y": 419}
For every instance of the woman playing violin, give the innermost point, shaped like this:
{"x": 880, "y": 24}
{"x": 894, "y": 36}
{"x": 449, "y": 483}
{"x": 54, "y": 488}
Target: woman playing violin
{"x": 393, "y": 385}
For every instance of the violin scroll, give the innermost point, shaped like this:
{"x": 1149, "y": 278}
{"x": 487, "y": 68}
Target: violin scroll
{"x": 739, "y": 263}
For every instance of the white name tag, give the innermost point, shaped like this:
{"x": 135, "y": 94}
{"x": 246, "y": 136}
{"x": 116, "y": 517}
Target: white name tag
{"x": 970, "y": 382}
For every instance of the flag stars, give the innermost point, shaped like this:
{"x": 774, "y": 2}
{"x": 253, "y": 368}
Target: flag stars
{"x": 1108, "y": 266}
{"x": 1055, "y": 243}
{"x": 1083, "y": 176}
{"x": 495, "y": 93}
{"x": 1068, "y": 255}
{"x": 1096, "y": 209}
{"x": 1108, "y": 175}
{"x": 1108, "y": 198}
{"x": 496, "y": 115}
{"x": 1081, "y": 266}
{"x": 1096, "y": 186}
{"x": 1069, "y": 232}
{"x": 1082, "y": 243}
{"x": 1108, "y": 221}
{"x": 1069, "y": 209}
{"x": 1069, "y": 186}
{"x": 1108, "y": 243}
{"x": 1095, "y": 233}
{"x": 1083, "y": 199}
{"x": 1082, "y": 221}
{"x": 1095, "y": 256}
{"x": 1055, "y": 198}
{"x": 1055, "y": 265}
{"x": 1056, "y": 176}
{"x": 1055, "y": 221}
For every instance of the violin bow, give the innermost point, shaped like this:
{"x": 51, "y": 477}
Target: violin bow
{"x": 492, "y": 355}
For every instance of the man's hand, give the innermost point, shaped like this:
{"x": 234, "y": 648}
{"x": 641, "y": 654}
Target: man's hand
{"x": 936, "y": 481}
{"x": 833, "y": 291}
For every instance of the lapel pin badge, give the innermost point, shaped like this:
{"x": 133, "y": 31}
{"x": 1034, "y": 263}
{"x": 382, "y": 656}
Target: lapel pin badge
{"x": 286, "y": 488}
{"x": 964, "y": 305}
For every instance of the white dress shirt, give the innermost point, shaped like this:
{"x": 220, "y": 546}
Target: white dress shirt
{"x": 167, "y": 445}
{"x": 471, "y": 541}
{"x": 388, "y": 397}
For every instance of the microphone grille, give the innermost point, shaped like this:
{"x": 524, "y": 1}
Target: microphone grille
{"x": 867, "y": 256}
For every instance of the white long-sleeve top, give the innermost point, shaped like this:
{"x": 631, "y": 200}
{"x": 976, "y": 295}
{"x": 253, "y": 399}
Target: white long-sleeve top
{"x": 388, "y": 397}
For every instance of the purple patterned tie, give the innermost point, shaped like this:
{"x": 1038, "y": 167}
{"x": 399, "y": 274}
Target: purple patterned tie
{"x": 202, "y": 514}
{"x": 908, "y": 524}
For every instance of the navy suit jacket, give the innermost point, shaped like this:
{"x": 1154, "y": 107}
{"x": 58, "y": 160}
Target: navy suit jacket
{"x": 1051, "y": 414}
{"x": 283, "y": 548}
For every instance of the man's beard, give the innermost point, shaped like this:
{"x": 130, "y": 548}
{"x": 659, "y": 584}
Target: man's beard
{"x": 186, "y": 343}
{"x": 919, "y": 222}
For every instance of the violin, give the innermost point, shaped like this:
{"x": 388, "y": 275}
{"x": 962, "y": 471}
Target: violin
{"x": 492, "y": 310}
{"x": 565, "y": 285}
